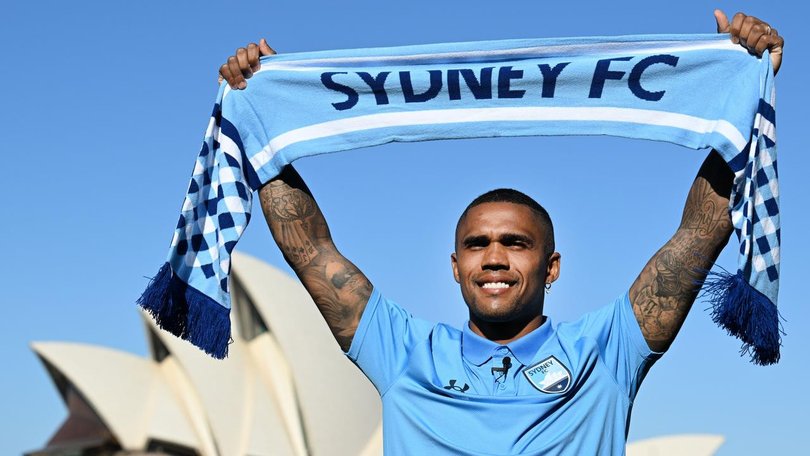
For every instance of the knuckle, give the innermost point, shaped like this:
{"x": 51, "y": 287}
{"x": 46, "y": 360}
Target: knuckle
{"x": 241, "y": 51}
{"x": 232, "y": 59}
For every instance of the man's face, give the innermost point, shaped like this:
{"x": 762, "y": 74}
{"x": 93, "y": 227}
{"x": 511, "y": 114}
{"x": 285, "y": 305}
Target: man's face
{"x": 501, "y": 263}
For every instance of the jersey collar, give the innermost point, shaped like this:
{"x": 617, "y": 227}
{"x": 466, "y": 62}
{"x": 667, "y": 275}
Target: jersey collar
{"x": 479, "y": 350}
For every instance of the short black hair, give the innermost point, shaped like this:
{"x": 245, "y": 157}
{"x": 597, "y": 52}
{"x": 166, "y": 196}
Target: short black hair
{"x": 510, "y": 195}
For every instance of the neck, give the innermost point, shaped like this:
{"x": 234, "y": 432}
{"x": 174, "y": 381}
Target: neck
{"x": 505, "y": 332}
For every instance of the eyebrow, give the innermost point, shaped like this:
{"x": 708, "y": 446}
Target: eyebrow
{"x": 507, "y": 239}
{"x": 475, "y": 240}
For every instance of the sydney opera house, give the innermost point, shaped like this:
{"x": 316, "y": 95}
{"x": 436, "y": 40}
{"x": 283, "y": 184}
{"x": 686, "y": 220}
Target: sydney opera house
{"x": 285, "y": 389}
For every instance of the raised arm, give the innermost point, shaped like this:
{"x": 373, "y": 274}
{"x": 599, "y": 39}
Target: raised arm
{"x": 338, "y": 288}
{"x": 666, "y": 288}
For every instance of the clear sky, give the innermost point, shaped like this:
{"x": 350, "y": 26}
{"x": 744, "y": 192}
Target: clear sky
{"x": 106, "y": 104}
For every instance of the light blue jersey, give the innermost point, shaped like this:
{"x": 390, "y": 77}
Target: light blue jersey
{"x": 564, "y": 390}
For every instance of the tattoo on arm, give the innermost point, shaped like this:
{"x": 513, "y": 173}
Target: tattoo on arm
{"x": 665, "y": 290}
{"x": 336, "y": 285}
{"x": 667, "y": 287}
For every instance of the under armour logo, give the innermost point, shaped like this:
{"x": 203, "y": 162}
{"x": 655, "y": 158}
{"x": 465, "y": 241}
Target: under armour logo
{"x": 454, "y": 387}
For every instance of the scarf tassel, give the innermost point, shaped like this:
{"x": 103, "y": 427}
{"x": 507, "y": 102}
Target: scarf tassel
{"x": 187, "y": 313}
{"x": 746, "y": 314}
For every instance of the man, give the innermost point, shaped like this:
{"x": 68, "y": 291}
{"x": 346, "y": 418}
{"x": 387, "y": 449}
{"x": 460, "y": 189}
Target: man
{"x": 509, "y": 382}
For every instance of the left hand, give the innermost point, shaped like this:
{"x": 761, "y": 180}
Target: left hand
{"x": 752, "y": 34}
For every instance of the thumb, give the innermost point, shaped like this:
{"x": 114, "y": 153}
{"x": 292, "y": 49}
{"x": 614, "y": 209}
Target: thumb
{"x": 264, "y": 48}
{"x": 722, "y": 21}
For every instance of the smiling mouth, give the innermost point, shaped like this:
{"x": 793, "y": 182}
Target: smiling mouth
{"x": 500, "y": 285}
{"x": 495, "y": 285}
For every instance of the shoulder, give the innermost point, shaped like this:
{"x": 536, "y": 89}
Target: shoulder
{"x": 593, "y": 320}
{"x": 382, "y": 309}
{"x": 445, "y": 332}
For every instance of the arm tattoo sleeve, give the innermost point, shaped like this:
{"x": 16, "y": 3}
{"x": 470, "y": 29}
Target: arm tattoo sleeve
{"x": 336, "y": 285}
{"x": 667, "y": 287}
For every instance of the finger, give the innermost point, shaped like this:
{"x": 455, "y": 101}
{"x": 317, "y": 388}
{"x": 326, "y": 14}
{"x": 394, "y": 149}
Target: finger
{"x": 775, "y": 49}
{"x": 237, "y": 80}
{"x": 225, "y": 73}
{"x": 722, "y": 21}
{"x": 777, "y": 44}
{"x": 757, "y": 32}
{"x": 762, "y": 44}
{"x": 244, "y": 65}
{"x": 745, "y": 30}
{"x": 265, "y": 48}
{"x": 736, "y": 25}
{"x": 253, "y": 57}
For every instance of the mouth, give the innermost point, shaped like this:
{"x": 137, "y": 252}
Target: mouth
{"x": 496, "y": 285}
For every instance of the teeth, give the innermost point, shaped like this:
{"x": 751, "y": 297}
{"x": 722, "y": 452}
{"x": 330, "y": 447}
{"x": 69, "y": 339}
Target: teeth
{"x": 495, "y": 285}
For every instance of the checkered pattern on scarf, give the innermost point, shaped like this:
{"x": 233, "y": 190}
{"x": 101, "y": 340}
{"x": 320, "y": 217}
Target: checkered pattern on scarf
{"x": 755, "y": 205}
{"x": 215, "y": 211}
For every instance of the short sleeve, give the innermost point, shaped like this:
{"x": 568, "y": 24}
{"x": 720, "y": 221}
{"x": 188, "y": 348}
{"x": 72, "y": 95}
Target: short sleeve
{"x": 622, "y": 346}
{"x": 384, "y": 340}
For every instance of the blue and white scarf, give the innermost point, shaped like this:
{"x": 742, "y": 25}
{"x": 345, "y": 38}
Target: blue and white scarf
{"x": 698, "y": 91}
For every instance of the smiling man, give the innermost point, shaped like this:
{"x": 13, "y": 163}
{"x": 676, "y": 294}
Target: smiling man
{"x": 504, "y": 260}
{"x": 510, "y": 381}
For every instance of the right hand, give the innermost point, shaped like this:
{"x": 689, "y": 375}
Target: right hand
{"x": 245, "y": 61}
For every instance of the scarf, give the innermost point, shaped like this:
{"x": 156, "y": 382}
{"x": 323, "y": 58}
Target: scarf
{"x": 698, "y": 91}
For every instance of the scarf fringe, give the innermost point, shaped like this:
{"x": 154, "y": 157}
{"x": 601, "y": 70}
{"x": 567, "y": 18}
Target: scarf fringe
{"x": 187, "y": 313}
{"x": 746, "y": 314}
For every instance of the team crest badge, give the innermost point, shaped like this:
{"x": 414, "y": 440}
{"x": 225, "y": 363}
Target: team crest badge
{"x": 549, "y": 376}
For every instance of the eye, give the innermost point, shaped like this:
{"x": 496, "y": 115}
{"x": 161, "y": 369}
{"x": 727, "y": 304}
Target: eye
{"x": 476, "y": 243}
{"x": 516, "y": 243}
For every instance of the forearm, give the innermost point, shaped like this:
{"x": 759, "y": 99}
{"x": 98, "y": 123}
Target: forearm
{"x": 705, "y": 217}
{"x": 294, "y": 218}
{"x": 299, "y": 228}
{"x": 665, "y": 290}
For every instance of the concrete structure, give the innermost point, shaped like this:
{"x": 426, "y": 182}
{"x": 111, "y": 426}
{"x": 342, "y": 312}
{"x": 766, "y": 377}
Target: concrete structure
{"x": 285, "y": 388}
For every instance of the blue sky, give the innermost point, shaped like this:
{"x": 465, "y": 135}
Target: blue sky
{"x": 105, "y": 106}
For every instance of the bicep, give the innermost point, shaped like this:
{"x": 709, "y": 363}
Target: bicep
{"x": 339, "y": 289}
{"x": 664, "y": 291}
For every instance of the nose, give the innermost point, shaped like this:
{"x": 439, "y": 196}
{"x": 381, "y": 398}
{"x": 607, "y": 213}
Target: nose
{"x": 495, "y": 258}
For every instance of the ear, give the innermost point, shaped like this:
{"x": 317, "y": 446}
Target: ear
{"x": 553, "y": 267}
{"x": 454, "y": 264}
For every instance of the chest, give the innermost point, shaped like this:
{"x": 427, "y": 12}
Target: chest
{"x": 557, "y": 371}
{"x": 561, "y": 391}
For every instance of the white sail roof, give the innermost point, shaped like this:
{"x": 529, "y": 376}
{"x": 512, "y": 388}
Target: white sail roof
{"x": 287, "y": 389}
{"x": 676, "y": 445}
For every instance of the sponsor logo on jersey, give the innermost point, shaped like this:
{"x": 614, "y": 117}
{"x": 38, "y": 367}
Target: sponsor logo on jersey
{"x": 549, "y": 376}
{"x": 454, "y": 387}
